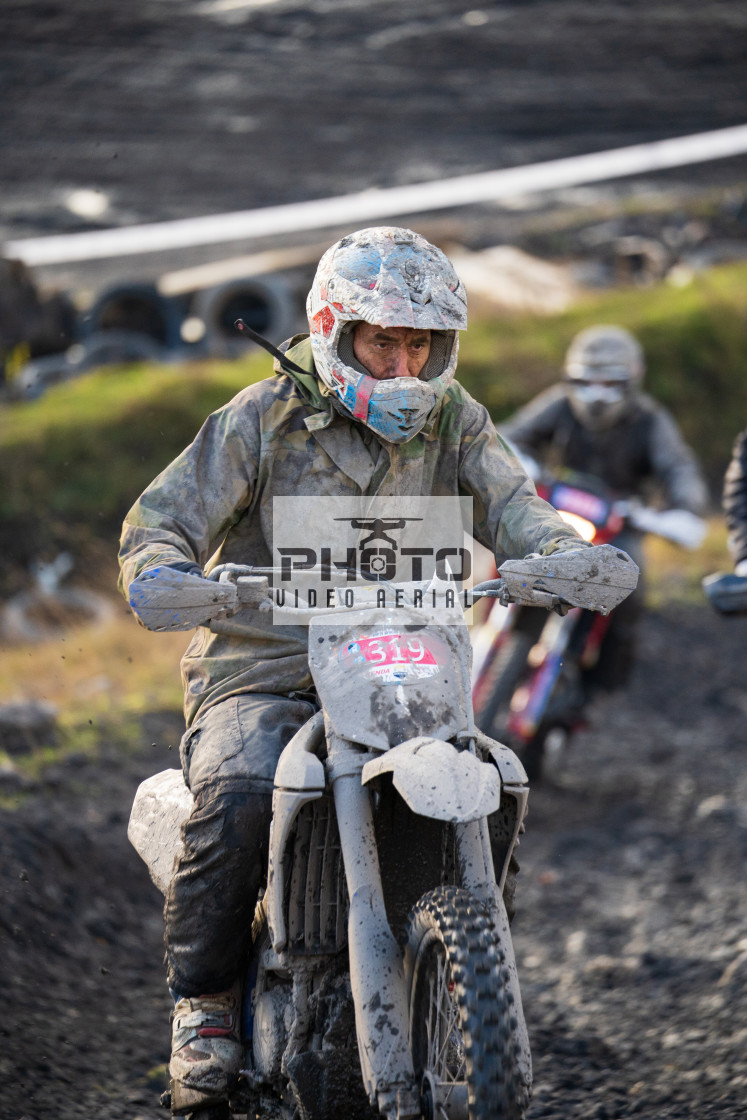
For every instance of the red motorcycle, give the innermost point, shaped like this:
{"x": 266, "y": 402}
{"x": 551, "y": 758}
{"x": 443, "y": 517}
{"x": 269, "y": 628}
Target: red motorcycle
{"x": 530, "y": 668}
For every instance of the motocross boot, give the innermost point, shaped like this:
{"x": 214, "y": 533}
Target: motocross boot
{"x": 206, "y": 1051}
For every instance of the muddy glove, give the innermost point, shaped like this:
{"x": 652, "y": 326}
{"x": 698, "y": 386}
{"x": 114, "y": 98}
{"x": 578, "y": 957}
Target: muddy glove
{"x": 596, "y": 578}
{"x": 177, "y": 597}
{"x": 565, "y": 544}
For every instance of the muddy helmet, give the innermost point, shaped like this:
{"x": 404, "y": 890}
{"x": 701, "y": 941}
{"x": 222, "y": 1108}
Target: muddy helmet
{"x": 388, "y": 277}
{"x": 603, "y": 367}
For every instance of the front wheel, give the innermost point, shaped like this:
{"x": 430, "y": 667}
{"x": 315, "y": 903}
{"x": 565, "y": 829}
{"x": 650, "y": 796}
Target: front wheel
{"x": 463, "y": 1027}
{"x": 502, "y": 678}
{"x": 545, "y": 755}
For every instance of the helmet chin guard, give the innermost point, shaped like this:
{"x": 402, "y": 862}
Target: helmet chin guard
{"x": 388, "y": 277}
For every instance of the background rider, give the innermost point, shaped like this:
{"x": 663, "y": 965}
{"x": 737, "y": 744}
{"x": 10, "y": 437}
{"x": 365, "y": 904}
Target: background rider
{"x": 599, "y": 422}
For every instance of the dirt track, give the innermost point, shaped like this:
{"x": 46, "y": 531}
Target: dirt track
{"x": 630, "y": 933}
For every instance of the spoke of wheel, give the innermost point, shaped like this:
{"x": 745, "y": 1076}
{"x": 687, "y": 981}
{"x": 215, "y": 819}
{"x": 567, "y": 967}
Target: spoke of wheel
{"x": 432, "y": 1023}
{"x": 442, "y": 990}
{"x": 449, "y": 1014}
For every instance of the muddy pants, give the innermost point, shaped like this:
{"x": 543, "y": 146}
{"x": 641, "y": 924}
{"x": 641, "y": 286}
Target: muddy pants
{"x": 228, "y": 756}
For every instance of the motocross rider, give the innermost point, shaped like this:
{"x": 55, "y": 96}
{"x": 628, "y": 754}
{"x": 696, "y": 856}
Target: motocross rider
{"x": 599, "y": 422}
{"x": 372, "y": 408}
{"x": 735, "y": 503}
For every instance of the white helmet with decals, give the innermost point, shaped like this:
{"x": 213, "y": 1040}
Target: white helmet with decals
{"x": 603, "y": 366}
{"x": 388, "y": 277}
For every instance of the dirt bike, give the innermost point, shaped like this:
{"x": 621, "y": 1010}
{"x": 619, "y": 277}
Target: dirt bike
{"x": 528, "y": 676}
{"x": 382, "y": 978}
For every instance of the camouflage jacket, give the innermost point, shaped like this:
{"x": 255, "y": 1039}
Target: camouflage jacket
{"x": 282, "y": 436}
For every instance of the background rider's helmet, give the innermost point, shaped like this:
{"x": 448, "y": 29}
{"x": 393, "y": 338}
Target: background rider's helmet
{"x": 603, "y": 368}
{"x": 388, "y": 277}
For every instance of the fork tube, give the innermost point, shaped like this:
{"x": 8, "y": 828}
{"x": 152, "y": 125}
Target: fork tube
{"x": 376, "y": 967}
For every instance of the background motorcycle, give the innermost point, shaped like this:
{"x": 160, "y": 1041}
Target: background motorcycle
{"x": 394, "y": 824}
{"x": 529, "y": 669}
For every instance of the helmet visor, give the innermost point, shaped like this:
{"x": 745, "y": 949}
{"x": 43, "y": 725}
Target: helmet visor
{"x": 612, "y": 374}
{"x": 599, "y": 393}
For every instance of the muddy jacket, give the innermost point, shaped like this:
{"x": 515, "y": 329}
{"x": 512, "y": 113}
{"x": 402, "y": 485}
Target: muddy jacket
{"x": 282, "y": 437}
{"x": 735, "y": 499}
{"x": 644, "y": 446}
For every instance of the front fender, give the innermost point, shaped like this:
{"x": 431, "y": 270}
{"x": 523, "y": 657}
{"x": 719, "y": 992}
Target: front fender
{"x": 438, "y": 781}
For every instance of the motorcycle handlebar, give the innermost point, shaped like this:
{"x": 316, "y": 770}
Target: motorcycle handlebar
{"x": 554, "y": 583}
{"x": 598, "y": 578}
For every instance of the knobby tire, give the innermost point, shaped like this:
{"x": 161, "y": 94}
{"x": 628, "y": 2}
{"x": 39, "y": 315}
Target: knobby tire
{"x": 455, "y": 961}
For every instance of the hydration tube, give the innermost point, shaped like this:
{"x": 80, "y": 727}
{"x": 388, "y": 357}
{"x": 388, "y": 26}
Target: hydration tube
{"x": 287, "y": 364}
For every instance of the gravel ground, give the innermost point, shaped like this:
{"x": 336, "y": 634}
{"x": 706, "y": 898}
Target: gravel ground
{"x": 630, "y": 933}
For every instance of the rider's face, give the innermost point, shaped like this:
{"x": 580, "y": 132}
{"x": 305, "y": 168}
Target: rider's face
{"x": 389, "y": 352}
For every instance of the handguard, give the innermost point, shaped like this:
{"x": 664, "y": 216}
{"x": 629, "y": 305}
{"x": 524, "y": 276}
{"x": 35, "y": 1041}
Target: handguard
{"x": 596, "y": 578}
{"x": 168, "y": 599}
{"x": 726, "y": 592}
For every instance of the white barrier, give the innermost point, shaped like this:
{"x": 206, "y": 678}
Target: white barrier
{"x": 352, "y": 209}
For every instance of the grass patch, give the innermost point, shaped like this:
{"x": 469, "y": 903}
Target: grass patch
{"x": 114, "y": 672}
{"x": 673, "y": 575}
{"x": 101, "y": 680}
{"x": 74, "y": 461}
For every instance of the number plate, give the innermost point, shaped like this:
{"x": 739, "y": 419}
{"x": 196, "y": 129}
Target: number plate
{"x": 586, "y": 505}
{"x": 391, "y": 658}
